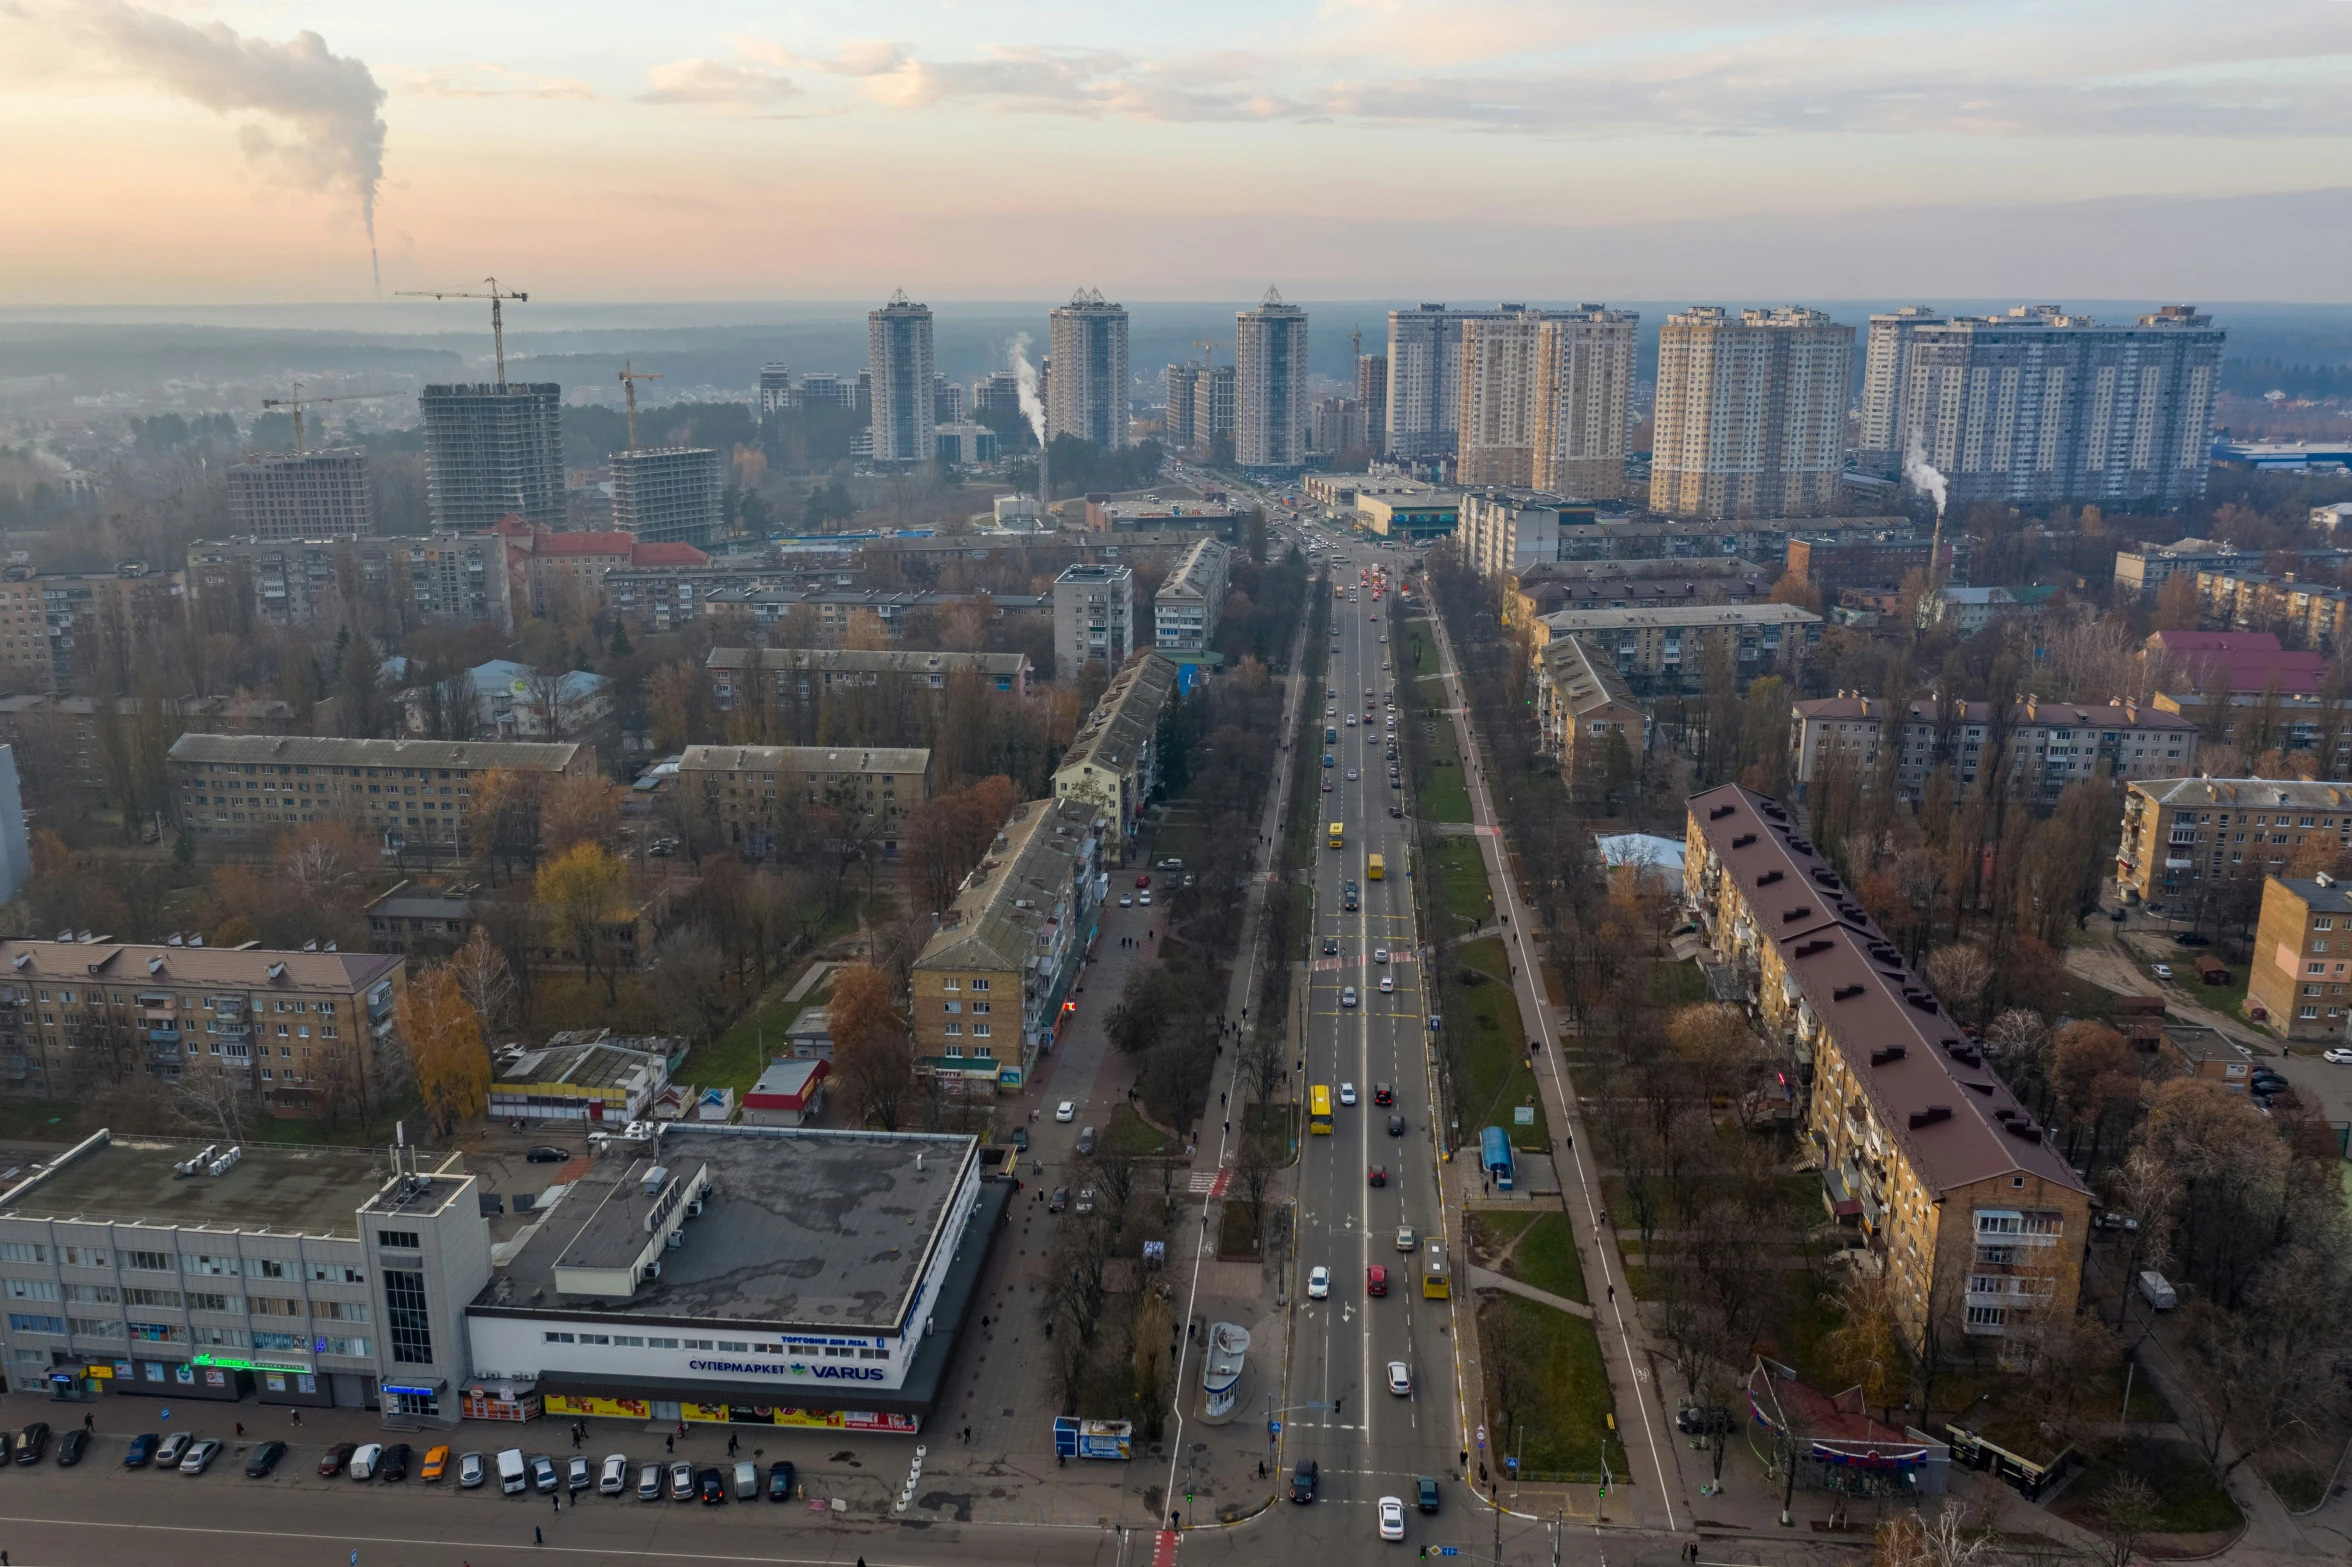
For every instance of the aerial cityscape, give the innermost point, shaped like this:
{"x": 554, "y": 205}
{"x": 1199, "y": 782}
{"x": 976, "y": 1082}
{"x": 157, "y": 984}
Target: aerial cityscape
{"x": 1645, "y": 713}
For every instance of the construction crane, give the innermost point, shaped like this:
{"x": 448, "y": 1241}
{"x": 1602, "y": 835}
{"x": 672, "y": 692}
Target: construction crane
{"x": 1208, "y": 348}
{"x": 630, "y": 376}
{"x": 298, "y": 402}
{"x": 497, "y": 296}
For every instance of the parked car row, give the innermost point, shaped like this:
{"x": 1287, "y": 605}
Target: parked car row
{"x": 676, "y": 1478}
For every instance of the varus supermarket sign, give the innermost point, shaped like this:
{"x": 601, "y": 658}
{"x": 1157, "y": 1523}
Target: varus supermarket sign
{"x": 796, "y": 1368}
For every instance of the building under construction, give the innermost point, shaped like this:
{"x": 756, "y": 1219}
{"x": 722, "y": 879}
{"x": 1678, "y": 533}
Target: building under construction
{"x": 668, "y": 494}
{"x": 301, "y": 495}
{"x": 494, "y": 448}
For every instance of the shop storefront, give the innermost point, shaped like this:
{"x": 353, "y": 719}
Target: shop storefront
{"x": 584, "y": 1405}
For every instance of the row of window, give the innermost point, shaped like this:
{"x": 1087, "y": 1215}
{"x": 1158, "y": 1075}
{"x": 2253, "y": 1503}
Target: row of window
{"x": 191, "y": 1262}
{"x": 735, "y": 1346}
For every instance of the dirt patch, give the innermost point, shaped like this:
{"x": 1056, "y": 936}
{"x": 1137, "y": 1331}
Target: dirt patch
{"x": 961, "y": 1501}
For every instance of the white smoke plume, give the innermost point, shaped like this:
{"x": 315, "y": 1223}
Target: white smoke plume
{"x": 1032, "y": 407}
{"x": 1922, "y": 473}
{"x": 308, "y": 111}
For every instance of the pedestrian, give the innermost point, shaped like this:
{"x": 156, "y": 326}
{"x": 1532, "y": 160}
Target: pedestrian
{"x": 557, "y": 1499}
{"x": 730, "y": 1444}
{"x": 681, "y": 1428}
{"x": 298, "y": 1417}
{"x": 669, "y": 1443}
{"x": 536, "y": 1537}
{"x": 1612, "y": 1294}
{"x": 240, "y": 1426}
{"x": 90, "y": 1423}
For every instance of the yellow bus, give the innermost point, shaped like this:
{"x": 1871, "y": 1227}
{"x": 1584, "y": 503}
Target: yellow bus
{"x": 1339, "y": 835}
{"x": 1374, "y": 867}
{"x": 1319, "y": 1110}
{"x": 1434, "y": 1283}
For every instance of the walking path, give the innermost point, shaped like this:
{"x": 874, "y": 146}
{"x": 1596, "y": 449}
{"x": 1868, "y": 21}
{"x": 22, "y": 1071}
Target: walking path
{"x": 1486, "y": 1279}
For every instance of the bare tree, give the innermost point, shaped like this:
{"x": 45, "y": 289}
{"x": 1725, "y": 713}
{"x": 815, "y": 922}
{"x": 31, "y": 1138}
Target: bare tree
{"x": 1961, "y": 973}
{"x": 214, "y": 1103}
{"x": 2123, "y": 1511}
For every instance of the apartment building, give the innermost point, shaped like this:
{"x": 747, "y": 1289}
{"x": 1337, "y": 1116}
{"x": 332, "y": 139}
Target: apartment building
{"x": 285, "y": 1031}
{"x": 1270, "y": 387}
{"x": 1113, "y": 763}
{"x": 1970, "y": 610}
{"x": 301, "y": 495}
{"x": 442, "y": 579}
{"x": 2144, "y": 571}
{"x": 746, "y": 795}
{"x": 1584, "y": 363}
{"x": 551, "y": 573}
{"x": 1751, "y": 413}
{"x": 2314, "y": 615}
{"x": 64, "y": 730}
{"x": 493, "y": 449}
{"x": 1541, "y": 590}
{"x": 236, "y": 793}
{"x": 1088, "y": 394}
{"x": 1014, "y": 937}
{"x": 1504, "y": 533}
{"x": 1765, "y": 540}
{"x": 1372, "y": 399}
{"x": 2049, "y": 744}
{"x": 1886, "y": 371}
{"x": 1580, "y": 702}
{"x": 1979, "y": 1222}
{"x": 54, "y": 624}
{"x": 800, "y": 679}
{"x": 1494, "y": 429}
{"x": 1186, "y": 608}
{"x": 836, "y": 612}
{"x": 2184, "y": 833}
{"x": 1853, "y": 558}
{"x": 2302, "y": 952}
{"x": 1424, "y": 392}
{"x": 1671, "y": 646}
{"x": 1094, "y": 618}
{"x": 898, "y": 342}
{"x": 2236, "y": 663}
{"x": 669, "y": 494}
{"x": 1176, "y": 428}
{"x": 1216, "y": 402}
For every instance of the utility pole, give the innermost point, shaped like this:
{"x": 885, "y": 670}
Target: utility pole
{"x": 497, "y": 296}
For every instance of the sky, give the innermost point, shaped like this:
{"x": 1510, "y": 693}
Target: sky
{"x": 169, "y": 152}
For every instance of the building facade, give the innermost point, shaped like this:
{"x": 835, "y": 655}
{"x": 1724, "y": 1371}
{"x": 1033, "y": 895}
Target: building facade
{"x": 1672, "y": 645}
{"x": 2183, "y": 834}
{"x": 1113, "y": 763}
{"x": 2048, "y": 745}
{"x": 493, "y": 449}
{"x": 1372, "y": 400}
{"x": 1584, "y": 363}
{"x": 1751, "y": 413}
{"x": 668, "y": 495}
{"x": 2144, "y": 571}
{"x": 1503, "y": 533}
{"x": 301, "y": 495}
{"x": 1833, "y": 562}
{"x": 1088, "y": 394}
{"x": 1494, "y": 426}
{"x": 898, "y": 340}
{"x": 443, "y": 579}
{"x": 1886, "y": 370}
{"x": 1094, "y": 618}
{"x": 1176, "y": 424}
{"x": 1270, "y": 387}
{"x": 2303, "y": 958}
{"x": 748, "y": 796}
{"x": 1186, "y": 607}
{"x": 1424, "y": 367}
{"x": 1580, "y": 703}
{"x": 795, "y": 679}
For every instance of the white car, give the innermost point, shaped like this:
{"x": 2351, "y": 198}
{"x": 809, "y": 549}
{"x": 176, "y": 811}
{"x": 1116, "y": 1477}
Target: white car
{"x": 1143, "y": 899}
{"x": 1067, "y": 1110}
{"x": 1380, "y": 954}
{"x": 1392, "y": 1518}
{"x": 1347, "y": 1093}
{"x": 1126, "y": 900}
{"x": 1319, "y": 1283}
{"x": 471, "y": 1471}
{"x": 615, "y": 1476}
{"x": 2160, "y": 970}
{"x": 1388, "y": 984}
{"x": 649, "y": 1483}
{"x": 1347, "y": 995}
{"x": 1400, "y": 1379}
{"x": 1406, "y": 1240}
{"x": 2337, "y": 1057}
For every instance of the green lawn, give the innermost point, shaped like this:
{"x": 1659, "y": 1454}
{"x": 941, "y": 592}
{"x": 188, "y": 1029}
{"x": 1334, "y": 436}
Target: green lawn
{"x": 1679, "y": 984}
{"x": 1488, "y": 1046}
{"x": 1444, "y": 794}
{"x": 1490, "y": 1233}
{"x": 295, "y": 1132}
{"x": 1561, "y": 1419}
{"x": 737, "y": 1057}
{"x": 1425, "y": 650}
{"x": 2189, "y": 1500}
{"x": 1546, "y": 1258}
{"x": 1457, "y": 863}
{"x": 1131, "y": 1133}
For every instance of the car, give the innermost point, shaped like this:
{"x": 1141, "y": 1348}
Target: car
{"x": 1318, "y": 1283}
{"x": 1351, "y": 720}
{"x": 1351, "y": 775}
{"x": 1703, "y": 1420}
{"x": 1143, "y": 881}
{"x": 331, "y": 1462}
{"x": 1377, "y": 1175}
{"x": 1059, "y": 1200}
{"x": 649, "y": 1483}
{"x": 1396, "y": 1126}
{"x": 1170, "y": 864}
{"x": 711, "y": 1485}
{"x": 471, "y": 1471}
{"x": 364, "y": 1461}
{"x": 612, "y": 1476}
{"x": 2337, "y": 1057}
{"x": 1126, "y": 900}
{"x": 1394, "y": 782}
{"x": 681, "y": 1481}
{"x": 1347, "y": 995}
{"x": 543, "y": 1474}
{"x": 200, "y": 1456}
{"x": 1406, "y": 1240}
{"x": 780, "y": 1480}
{"x": 1392, "y": 1518}
{"x": 1396, "y": 811}
{"x": 1384, "y": 1093}
{"x": 2160, "y": 970}
{"x": 547, "y": 1153}
{"x": 1400, "y": 1379}
{"x": 1086, "y": 1139}
{"x": 141, "y": 1452}
{"x": 1347, "y": 1093}
{"x": 1376, "y": 1280}
{"x": 436, "y": 1466}
{"x": 1020, "y": 1139}
{"x": 1425, "y": 1492}
{"x": 394, "y": 1464}
{"x": 1067, "y": 1110}
{"x": 1329, "y": 760}
{"x": 263, "y": 1459}
{"x": 1302, "y": 1481}
{"x": 1326, "y": 786}
{"x": 2263, "y": 1082}
{"x": 2189, "y": 938}
{"x": 71, "y": 1446}
{"x": 1331, "y": 946}
{"x": 1380, "y": 954}
{"x": 1350, "y": 904}
{"x": 31, "y": 1445}
{"x": 1086, "y": 1199}
{"x": 1143, "y": 900}
{"x": 1388, "y": 984}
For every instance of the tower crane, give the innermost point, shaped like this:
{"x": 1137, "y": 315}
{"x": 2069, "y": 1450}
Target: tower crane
{"x": 497, "y": 296}
{"x": 1208, "y": 348}
{"x": 298, "y": 402}
{"x": 630, "y": 375}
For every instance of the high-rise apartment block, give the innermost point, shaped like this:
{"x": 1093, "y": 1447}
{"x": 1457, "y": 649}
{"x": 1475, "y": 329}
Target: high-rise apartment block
{"x": 2038, "y": 406}
{"x": 824, "y": 389}
{"x": 492, "y": 449}
{"x": 668, "y": 494}
{"x": 1334, "y": 425}
{"x": 1094, "y": 618}
{"x": 1886, "y": 370}
{"x": 947, "y": 400}
{"x": 898, "y": 336}
{"x": 1751, "y": 416}
{"x": 1495, "y": 418}
{"x": 1087, "y": 396}
{"x": 1270, "y": 386}
{"x": 1424, "y": 365}
{"x": 301, "y": 495}
{"x": 1583, "y": 400}
{"x": 1214, "y": 396}
{"x": 775, "y": 389}
{"x": 1372, "y": 397}
{"x": 1176, "y": 425}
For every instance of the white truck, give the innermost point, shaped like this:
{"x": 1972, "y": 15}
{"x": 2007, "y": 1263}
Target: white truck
{"x": 511, "y": 1476}
{"x": 2156, "y": 1291}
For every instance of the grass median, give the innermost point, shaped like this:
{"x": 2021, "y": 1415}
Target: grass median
{"x": 1547, "y": 1391}
{"x": 1487, "y": 1045}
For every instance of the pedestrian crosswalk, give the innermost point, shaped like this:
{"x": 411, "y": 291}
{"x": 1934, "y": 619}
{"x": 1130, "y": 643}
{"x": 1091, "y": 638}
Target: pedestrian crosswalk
{"x": 1164, "y": 1549}
{"x": 1211, "y": 1183}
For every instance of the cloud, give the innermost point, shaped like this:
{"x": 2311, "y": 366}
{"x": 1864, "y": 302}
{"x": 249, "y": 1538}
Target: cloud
{"x": 484, "y": 79}
{"x": 303, "y": 109}
{"x": 716, "y": 83}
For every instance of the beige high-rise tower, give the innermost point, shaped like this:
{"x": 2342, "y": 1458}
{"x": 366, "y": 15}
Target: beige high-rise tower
{"x": 1583, "y": 387}
{"x": 1087, "y": 395}
{"x": 1751, "y": 417}
{"x": 1495, "y": 422}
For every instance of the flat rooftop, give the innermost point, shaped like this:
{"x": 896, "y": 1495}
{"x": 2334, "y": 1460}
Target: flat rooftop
{"x": 129, "y": 1180}
{"x": 805, "y": 1228}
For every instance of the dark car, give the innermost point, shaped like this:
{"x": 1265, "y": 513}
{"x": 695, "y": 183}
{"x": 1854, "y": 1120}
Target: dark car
{"x": 1059, "y": 1200}
{"x": 71, "y": 1446}
{"x": 33, "y": 1443}
{"x": 1021, "y": 1139}
{"x": 1425, "y": 1492}
{"x": 264, "y": 1458}
{"x": 1377, "y": 1175}
{"x": 2268, "y": 1082}
{"x": 1331, "y": 946}
{"x": 1396, "y": 1126}
{"x": 1397, "y": 811}
{"x": 1702, "y": 1420}
{"x": 1303, "y": 1478}
{"x": 548, "y": 1153}
{"x": 711, "y": 1486}
{"x": 2189, "y": 938}
{"x": 1383, "y": 1094}
{"x": 141, "y": 1452}
{"x": 336, "y": 1457}
{"x": 1351, "y": 903}
{"x": 780, "y": 1481}
{"x": 394, "y": 1464}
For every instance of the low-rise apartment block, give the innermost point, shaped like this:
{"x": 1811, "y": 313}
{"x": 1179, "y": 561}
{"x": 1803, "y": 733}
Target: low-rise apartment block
{"x": 1979, "y": 1221}
{"x": 1672, "y": 644}
{"x": 443, "y": 579}
{"x": 2311, "y": 614}
{"x": 2142, "y": 572}
{"x": 1014, "y": 938}
{"x": 1113, "y": 763}
{"x": 1970, "y": 610}
{"x": 53, "y": 624}
{"x": 2303, "y": 958}
{"x": 1186, "y": 607}
{"x": 2049, "y": 744}
{"x": 1833, "y": 562}
{"x": 238, "y": 792}
{"x": 1580, "y": 703}
{"x": 746, "y": 795}
{"x": 1505, "y": 533}
{"x": 2182, "y": 833}
{"x": 797, "y": 680}
{"x": 1761, "y": 539}
{"x": 1549, "y": 590}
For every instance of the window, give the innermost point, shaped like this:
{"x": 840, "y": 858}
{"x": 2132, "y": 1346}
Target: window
{"x": 397, "y": 1240}
{"x": 21, "y": 1322}
{"x": 560, "y": 1338}
{"x": 93, "y": 1294}
{"x": 661, "y": 1343}
{"x": 86, "y": 1257}
{"x": 31, "y": 1289}
{"x": 22, "y": 1251}
{"x": 264, "y": 1268}
{"x": 150, "y": 1261}
{"x": 216, "y": 1267}
{"x": 171, "y": 1298}
{"x": 339, "y": 1310}
{"x": 220, "y": 1338}
{"x": 273, "y": 1306}
{"x": 233, "y": 1304}
{"x": 279, "y": 1341}
{"x": 334, "y": 1273}
{"x": 159, "y": 1333}
{"x": 359, "y": 1347}
{"x": 95, "y": 1327}
{"x": 408, "y": 1316}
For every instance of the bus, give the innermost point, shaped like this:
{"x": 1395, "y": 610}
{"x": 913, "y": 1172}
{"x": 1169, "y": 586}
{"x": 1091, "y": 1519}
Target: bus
{"x": 1339, "y": 835}
{"x": 1319, "y": 1110}
{"x": 1434, "y": 1283}
{"x": 1374, "y": 868}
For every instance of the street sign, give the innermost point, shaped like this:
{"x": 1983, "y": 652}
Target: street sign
{"x": 1523, "y": 1115}
{"x": 1273, "y": 1428}
{"x": 1449, "y": 1550}
{"x": 1512, "y": 1464}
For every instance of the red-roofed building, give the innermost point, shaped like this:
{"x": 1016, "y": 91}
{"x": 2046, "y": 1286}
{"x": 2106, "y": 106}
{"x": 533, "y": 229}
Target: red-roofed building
{"x": 2245, "y": 662}
{"x": 548, "y": 568}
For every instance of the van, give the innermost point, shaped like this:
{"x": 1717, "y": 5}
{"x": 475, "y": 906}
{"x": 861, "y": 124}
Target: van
{"x": 511, "y": 1480}
{"x": 747, "y": 1481}
{"x": 2156, "y": 1291}
{"x": 365, "y": 1460}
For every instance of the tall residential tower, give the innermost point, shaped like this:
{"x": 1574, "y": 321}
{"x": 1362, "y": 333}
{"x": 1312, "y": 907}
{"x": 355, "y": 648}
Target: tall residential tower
{"x": 1087, "y": 396}
{"x": 1270, "y": 386}
{"x": 898, "y": 340}
{"x": 1751, "y": 417}
{"x": 492, "y": 448}
{"x": 1583, "y": 400}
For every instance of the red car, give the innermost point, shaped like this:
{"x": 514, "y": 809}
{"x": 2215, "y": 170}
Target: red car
{"x": 1143, "y": 881}
{"x": 337, "y": 1457}
{"x": 1376, "y": 1280}
{"x": 1382, "y": 1094}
